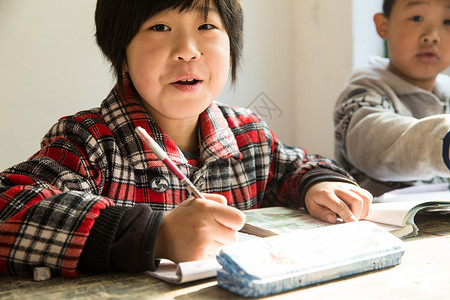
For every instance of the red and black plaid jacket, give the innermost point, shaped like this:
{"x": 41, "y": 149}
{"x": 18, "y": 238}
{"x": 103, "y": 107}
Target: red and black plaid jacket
{"x": 94, "y": 159}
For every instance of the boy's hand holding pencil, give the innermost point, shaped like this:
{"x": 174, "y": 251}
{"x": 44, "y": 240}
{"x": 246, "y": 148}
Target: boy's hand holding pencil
{"x": 197, "y": 227}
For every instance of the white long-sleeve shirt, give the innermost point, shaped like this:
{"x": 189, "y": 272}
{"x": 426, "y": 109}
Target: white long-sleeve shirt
{"x": 390, "y": 133}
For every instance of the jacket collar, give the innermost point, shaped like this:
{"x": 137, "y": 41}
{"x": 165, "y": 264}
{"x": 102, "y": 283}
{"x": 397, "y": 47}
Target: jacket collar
{"x": 123, "y": 112}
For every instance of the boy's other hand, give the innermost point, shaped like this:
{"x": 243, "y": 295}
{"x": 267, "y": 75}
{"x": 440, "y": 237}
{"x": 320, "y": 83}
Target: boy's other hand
{"x": 329, "y": 200}
{"x": 196, "y": 228}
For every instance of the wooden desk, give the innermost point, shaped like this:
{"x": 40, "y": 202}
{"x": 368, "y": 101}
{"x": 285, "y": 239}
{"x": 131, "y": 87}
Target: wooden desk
{"x": 423, "y": 274}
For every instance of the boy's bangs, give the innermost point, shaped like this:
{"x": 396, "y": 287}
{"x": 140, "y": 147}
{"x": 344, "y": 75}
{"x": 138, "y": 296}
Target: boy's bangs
{"x": 187, "y": 5}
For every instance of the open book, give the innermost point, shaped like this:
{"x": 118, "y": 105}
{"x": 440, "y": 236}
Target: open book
{"x": 393, "y": 211}
{"x": 396, "y": 210}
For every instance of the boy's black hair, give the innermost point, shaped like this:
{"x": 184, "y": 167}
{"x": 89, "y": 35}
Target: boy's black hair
{"x": 118, "y": 21}
{"x": 387, "y": 7}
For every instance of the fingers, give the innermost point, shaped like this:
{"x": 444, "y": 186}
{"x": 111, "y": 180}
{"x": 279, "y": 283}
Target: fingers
{"x": 327, "y": 200}
{"x": 344, "y": 210}
{"x": 225, "y": 215}
{"x": 224, "y": 235}
{"x": 206, "y": 244}
{"x": 229, "y": 217}
{"x": 217, "y": 198}
{"x": 329, "y": 208}
{"x": 352, "y": 201}
{"x": 322, "y": 213}
{"x": 215, "y": 208}
{"x": 200, "y": 225}
{"x": 357, "y": 199}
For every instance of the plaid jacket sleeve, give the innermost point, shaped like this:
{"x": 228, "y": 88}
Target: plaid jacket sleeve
{"x": 292, "y": 171}
{"x": 49, "y": 203}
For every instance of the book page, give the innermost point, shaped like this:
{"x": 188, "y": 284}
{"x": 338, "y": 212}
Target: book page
{"x": 399, "y": 207}
{"x": 279, "y": 220}
{"x": 397, "y": 231}
{"x": 195, "y": 270}
{"x": 393, "y": 213}
{"x": 185, "y": 271}
{"x": 282, "y": 219}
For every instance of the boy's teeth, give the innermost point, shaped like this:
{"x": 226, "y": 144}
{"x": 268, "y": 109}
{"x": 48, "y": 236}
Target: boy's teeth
{"x": 187, "y": 80}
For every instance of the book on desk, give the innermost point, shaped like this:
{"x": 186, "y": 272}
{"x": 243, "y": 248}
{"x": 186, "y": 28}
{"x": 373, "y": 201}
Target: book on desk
{"x": 395, "y": 210}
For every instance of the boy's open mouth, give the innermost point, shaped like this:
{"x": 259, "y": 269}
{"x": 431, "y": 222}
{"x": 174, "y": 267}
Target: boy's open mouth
{"x": 187, "y": 81}
{"x": 429, "y": 54}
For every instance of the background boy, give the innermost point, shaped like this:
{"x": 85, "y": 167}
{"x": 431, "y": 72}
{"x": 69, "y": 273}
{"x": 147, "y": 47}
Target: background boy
{"x": 391, "y": 120}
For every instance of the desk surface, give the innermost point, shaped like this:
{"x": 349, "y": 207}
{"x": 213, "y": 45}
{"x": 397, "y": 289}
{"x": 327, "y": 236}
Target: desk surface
{"x": 423, "y": 274}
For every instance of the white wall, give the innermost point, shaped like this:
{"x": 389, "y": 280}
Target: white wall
{"x": 366, "y": 41}
{"x": 50, "y": 67}
{"x": 265, "y": 81}
{"x": 297, "y": 56}
{"x": 323, "y": 60}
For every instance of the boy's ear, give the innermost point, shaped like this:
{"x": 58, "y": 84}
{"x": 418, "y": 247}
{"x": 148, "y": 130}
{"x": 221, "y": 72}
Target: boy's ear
{"x": 381, "y": 23}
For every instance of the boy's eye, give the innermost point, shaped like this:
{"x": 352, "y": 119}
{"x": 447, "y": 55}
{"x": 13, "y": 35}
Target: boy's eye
{"x": 417, "y": 19}
{"x": 160, "y": 27}
{"x": 206, "y": 27}
{"x": 447, "y": 22}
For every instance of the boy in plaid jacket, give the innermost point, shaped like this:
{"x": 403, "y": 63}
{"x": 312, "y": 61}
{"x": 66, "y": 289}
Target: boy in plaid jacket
{"x": 95, "y": 198}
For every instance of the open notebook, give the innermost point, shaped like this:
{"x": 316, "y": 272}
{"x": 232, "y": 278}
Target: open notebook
{"x": 190, "y": 270}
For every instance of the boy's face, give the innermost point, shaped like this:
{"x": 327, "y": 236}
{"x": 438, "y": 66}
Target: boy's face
{"x": 179, "y": 63}
{"x": 418, "y": 37}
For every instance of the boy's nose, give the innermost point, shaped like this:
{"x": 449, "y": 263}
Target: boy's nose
{"x": 189, "y": 57}
{"x": 186, "y": 50}
{"x": 431, "y": 37}
{"x": 430, "y": 40}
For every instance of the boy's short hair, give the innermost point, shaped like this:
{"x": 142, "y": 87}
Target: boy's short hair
{"x": 387, "y": 7}
{"x": 118, "y": 21}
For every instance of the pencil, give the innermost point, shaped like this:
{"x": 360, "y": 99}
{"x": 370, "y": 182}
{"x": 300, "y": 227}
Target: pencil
{"x": 162, "y": 155}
